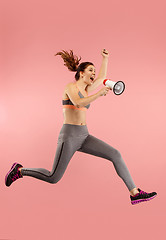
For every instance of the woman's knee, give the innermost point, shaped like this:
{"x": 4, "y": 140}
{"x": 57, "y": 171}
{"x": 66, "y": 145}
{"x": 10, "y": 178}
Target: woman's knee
{"x": 54, "y": 180}
{"x": 117, "y": 154}
{"x": 113, "y": 155}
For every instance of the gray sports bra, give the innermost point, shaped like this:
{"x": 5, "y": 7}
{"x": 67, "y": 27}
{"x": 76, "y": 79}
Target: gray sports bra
{"x": 68, "y": 102}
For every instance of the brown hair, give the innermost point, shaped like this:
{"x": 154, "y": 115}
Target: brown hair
{"x": 72, "y": 62}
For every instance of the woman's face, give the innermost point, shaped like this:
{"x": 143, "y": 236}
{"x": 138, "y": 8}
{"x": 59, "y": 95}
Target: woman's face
{"x": 89, "y": 74}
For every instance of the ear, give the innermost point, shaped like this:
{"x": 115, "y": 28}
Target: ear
{"x": 81, "y": 73}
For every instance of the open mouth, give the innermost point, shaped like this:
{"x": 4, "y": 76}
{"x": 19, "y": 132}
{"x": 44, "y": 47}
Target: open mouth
{"x": 92, "y": 78}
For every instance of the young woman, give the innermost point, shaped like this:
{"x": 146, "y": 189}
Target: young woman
{"x": 74, "y": 135}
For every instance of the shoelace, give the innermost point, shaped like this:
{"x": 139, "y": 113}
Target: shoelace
{"x": 143, "y": 193}
{"x": 17, "y": 175}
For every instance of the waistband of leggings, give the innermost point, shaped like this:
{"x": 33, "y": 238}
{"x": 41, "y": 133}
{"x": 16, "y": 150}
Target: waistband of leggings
{"x": 74, "y": 129}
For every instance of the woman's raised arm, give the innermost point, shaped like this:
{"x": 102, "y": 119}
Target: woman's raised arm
{"x": 102, "y": 72}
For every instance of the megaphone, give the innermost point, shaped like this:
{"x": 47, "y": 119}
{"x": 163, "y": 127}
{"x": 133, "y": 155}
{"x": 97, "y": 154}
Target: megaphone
{"x": 117, "y": 87}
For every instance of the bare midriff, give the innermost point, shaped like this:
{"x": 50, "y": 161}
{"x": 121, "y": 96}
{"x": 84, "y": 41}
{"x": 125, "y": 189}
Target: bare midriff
{"x": 74, "y": 116}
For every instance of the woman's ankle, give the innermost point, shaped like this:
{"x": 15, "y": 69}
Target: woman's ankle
{"x": 20, "y": 170}
{"x": 134, "y": 191}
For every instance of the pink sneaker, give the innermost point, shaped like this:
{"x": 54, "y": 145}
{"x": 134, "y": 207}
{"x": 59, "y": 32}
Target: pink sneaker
{"x": 142, "y": 196}
{"x": 13, "y": 174}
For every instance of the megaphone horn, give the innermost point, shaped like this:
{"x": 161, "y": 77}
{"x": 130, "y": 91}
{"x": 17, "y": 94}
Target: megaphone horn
{"x": 117, "y": 87}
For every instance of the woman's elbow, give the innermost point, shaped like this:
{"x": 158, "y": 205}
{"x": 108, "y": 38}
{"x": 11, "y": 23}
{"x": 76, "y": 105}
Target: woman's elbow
{"x": 77, "y": 105}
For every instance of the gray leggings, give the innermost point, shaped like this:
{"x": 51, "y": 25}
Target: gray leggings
{"x": 74, "y": 138}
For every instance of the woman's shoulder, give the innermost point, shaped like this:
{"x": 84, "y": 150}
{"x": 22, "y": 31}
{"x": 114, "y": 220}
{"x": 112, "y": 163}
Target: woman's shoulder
{"x": 70, "y": 85}
{"x": 68, "y": 88}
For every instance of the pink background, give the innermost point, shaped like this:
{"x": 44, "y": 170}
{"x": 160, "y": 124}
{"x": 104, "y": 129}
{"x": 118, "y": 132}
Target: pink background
{"x": 90, "y": 201}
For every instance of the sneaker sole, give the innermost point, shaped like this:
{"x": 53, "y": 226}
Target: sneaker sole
{"x": 142, "y": 200}
{"x": 14, "y": 164}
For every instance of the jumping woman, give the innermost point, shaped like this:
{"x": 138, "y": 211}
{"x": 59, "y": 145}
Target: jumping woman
{"x": 74, "y": 135}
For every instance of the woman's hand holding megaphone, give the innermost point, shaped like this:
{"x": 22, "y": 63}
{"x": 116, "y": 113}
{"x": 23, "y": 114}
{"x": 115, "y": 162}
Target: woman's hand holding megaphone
{"x": 117, "y": 87}
{"x": 104, "y": 91}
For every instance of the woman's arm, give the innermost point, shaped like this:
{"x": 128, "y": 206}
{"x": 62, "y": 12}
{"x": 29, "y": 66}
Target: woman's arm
{"x": 71, "y": 91}
{"x": 100, "y": 78}
{"x": 102, "y": 72}
{"x": 85, "y": 101}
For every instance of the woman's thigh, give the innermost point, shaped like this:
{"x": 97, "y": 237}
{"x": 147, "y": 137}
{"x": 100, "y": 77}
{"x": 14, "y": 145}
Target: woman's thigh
{"x": 99, "y": 148}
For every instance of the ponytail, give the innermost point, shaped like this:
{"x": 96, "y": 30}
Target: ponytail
{"x": 72, "y": 62}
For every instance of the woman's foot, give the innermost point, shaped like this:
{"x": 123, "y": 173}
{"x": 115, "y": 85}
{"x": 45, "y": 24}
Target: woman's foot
{"x": 13, "y": 174}
{"x": 142, "y": 196}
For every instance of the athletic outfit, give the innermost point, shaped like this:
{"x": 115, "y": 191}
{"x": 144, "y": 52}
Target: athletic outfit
{"x": 67, "y": 103}
{"x": 74, "y": 138}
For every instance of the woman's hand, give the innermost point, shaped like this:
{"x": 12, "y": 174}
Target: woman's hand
{"x": 104, "y": 53}
{"x": 104, "y": 91}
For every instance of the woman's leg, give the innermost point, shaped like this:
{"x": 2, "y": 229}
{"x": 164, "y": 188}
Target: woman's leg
{"x": 97, "y": 147}
{"x": 70, "y": 139}
{"x": 64, "y": 152}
